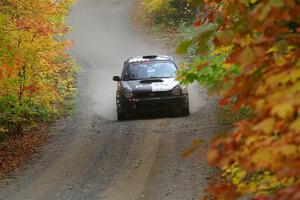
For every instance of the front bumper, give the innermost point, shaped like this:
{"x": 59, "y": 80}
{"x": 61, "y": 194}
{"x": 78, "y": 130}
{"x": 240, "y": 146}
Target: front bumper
{"x": 152, "y": 104}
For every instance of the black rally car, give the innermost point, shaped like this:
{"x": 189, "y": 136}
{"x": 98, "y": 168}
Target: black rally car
{"x": 149, "y": 83}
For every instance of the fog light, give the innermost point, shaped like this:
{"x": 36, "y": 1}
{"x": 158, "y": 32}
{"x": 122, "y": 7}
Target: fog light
{"x": 128, "y": 94}
{"x": 176, "y": 91}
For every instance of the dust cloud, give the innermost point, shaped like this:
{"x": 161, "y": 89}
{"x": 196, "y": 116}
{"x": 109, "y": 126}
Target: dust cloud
{"x": 102, "y": 47}
{"x": 97, "y": 76}
{"x": 104, "y": 95}
{"x": 196, "y": 98}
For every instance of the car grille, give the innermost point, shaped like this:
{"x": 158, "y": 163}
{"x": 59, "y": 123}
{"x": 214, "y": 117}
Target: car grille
{"x": 153, "y": 94}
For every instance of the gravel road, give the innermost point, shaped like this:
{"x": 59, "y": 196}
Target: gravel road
{"x": 91, "y": 155}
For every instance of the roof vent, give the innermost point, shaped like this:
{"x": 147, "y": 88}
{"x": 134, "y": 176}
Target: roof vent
{"x": 150, "y": 57}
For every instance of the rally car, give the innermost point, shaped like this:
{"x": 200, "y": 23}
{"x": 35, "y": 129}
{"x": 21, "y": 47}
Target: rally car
{"x": 148, "y": 84}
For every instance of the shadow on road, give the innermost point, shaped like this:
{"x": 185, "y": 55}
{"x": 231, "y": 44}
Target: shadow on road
{"x": 153, "y": 115}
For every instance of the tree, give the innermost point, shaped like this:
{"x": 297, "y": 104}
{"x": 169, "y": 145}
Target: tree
{"x": 35, "y": 72}
{"x": 261, "y": 156}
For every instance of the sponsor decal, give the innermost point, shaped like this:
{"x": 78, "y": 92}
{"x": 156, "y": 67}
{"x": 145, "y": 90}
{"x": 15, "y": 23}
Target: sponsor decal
{"x": 164, "y": 86}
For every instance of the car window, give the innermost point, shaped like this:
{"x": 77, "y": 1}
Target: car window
{"x": 153, "y": 69}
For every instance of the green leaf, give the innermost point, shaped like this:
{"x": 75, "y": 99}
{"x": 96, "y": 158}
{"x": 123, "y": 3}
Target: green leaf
{"x": 252, "y": 1}
{"x": 203, "y": 40}
{"x": 184, "y": 46}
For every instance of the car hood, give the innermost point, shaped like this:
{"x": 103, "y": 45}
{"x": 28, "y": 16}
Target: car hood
{"x": 153, "y": 85}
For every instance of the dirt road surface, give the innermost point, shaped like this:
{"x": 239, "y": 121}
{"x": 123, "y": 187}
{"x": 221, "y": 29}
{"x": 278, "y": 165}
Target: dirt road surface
{"x": 91, "y": 156}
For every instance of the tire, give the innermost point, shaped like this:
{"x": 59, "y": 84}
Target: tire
{"x": 185, "y": 111}
{"x": 121, "y": 116}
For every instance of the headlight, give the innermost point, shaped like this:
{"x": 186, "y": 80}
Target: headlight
{"x": 176, "y": 91}
{"x": 127, "y": 94}
{"x": 184, "y": 89}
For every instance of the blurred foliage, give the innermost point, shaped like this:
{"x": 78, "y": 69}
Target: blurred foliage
{"x": 264, "y": 181}
{"x": 170, "y": 12}
{"x": 264, "y": 41}
{"x": 36, "y": 74}
{"x": 208, "y": 70}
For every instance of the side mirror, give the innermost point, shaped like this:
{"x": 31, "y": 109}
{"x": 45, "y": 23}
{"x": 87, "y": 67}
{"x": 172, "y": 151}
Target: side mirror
{"x": 116, "y": 78}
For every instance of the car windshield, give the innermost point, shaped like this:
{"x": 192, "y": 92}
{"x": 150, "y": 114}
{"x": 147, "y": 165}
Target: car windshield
{"x": 150, "y": 69}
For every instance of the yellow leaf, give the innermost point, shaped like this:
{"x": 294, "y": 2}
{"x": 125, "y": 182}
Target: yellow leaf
{"x": 227, "y": 66}
{"x": 3, "y": 130}
{"x": 283, "y": 110}
{"x": 239, "y": 175}
{"x": 260, "y": 104}
{"x": 222, "y": 50}
{"x": 295, "y": 126}
{"x": 253, "y": 1}
{"x": 263, "y": 157}
{"x": 265, "y": 126}
{"x": 272, "y": 50}
{"x": 273, "y": 80}
{"x": 280, "y": 61}
{"x": 288, "y": 150}
{"x": 295, "y": 75}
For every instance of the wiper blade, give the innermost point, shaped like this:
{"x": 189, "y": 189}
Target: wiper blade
{"x": 131, "y": 79}
{"x": 159, "y": 77}
{"x": 150, "y": 78}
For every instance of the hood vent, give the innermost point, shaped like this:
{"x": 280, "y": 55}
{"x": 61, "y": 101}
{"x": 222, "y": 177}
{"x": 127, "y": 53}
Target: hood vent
{"x": 151, "y": 80}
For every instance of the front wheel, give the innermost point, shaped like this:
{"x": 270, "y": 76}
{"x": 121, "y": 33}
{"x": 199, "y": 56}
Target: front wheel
{"x": 185, "y": 111}
{"x": 121, "y": 116}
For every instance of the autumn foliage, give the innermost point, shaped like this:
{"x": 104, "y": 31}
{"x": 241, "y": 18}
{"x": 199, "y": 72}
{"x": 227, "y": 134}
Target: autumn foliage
{"x": 166, "y": 12}
{"x": 261, "y": 157}
{"x": 36, "y": 74}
